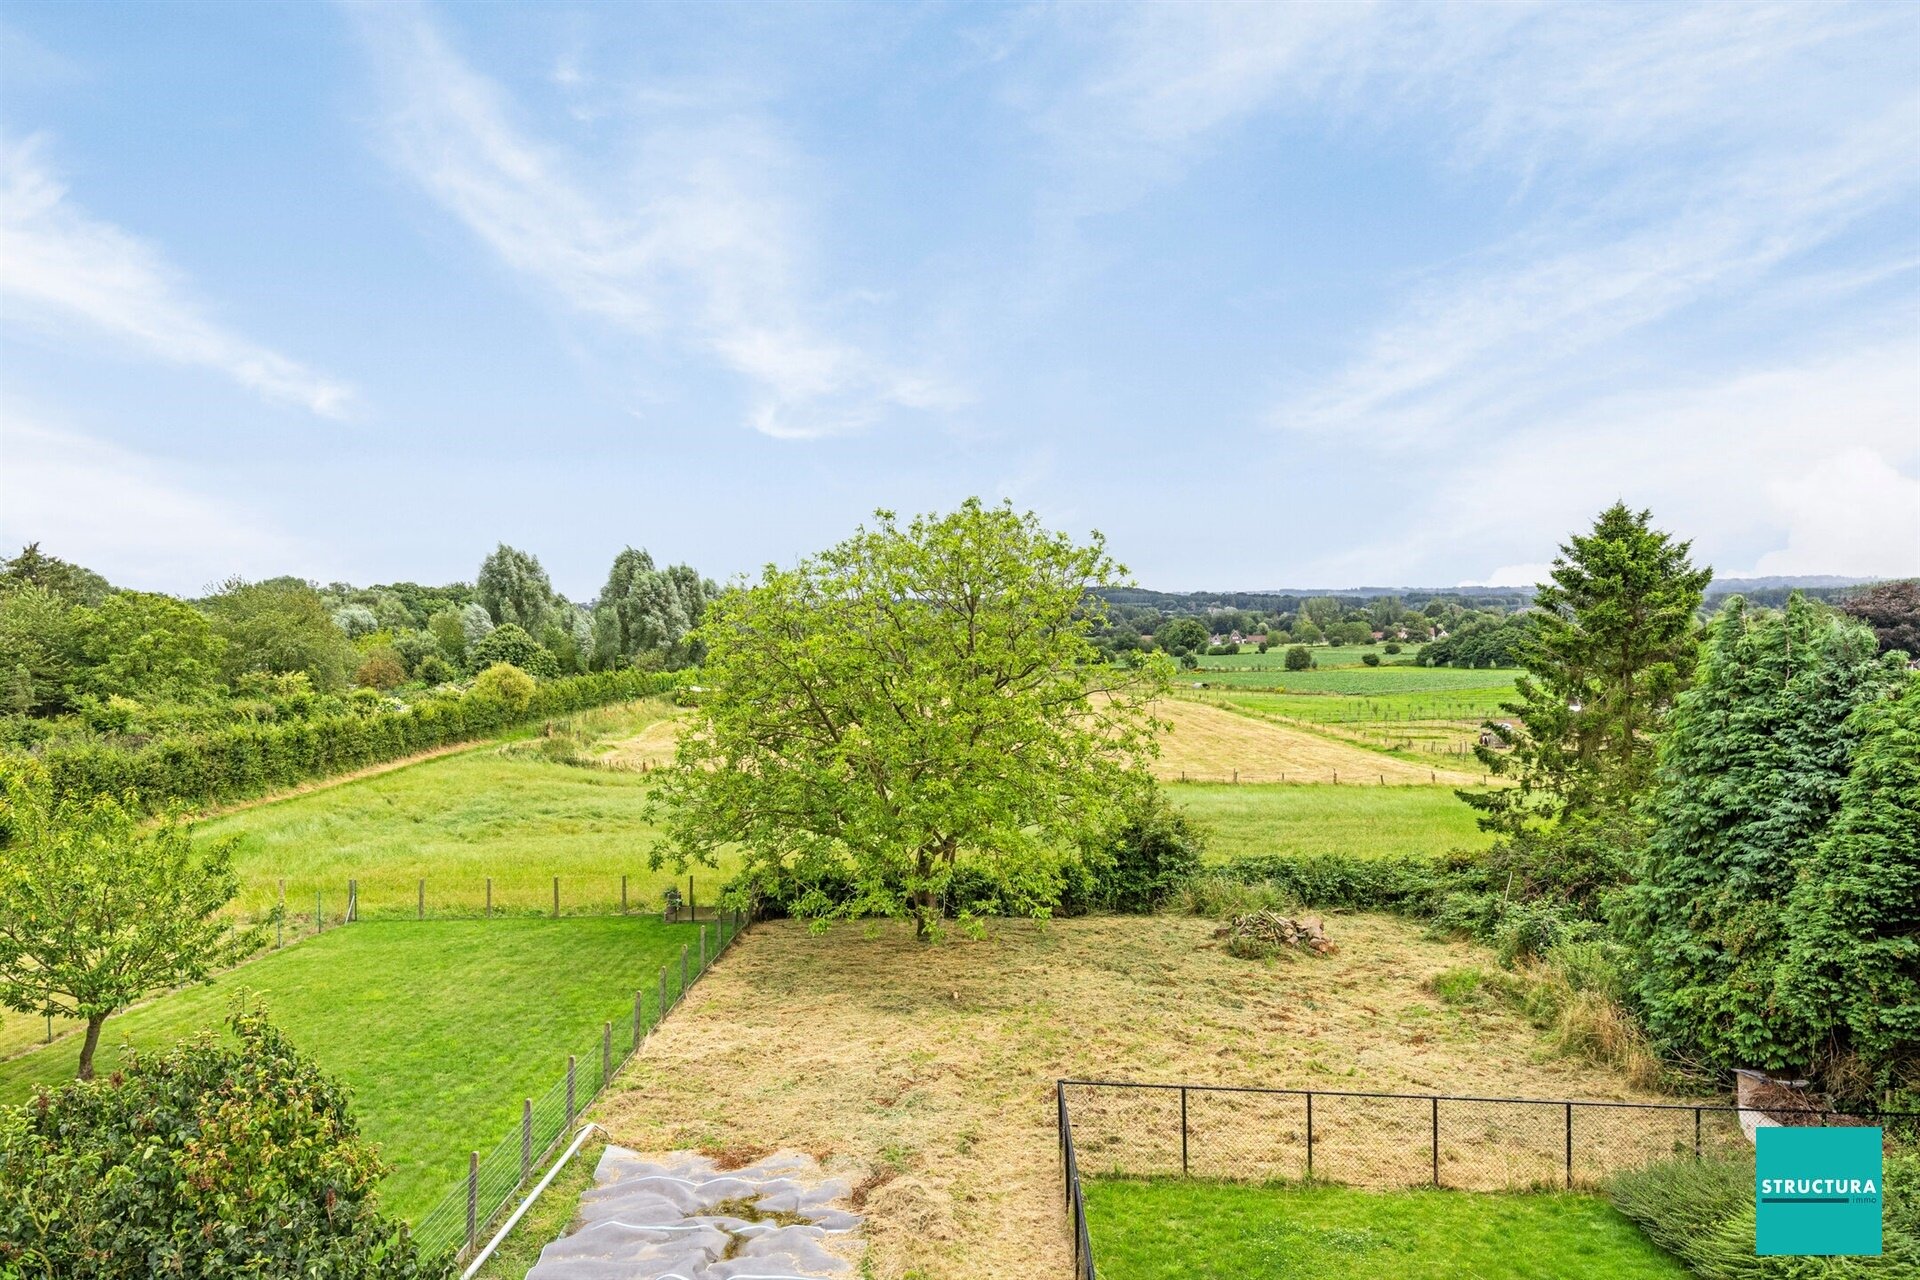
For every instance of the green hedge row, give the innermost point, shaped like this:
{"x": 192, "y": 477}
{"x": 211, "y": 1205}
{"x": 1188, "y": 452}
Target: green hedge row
{"x": 242, "y": 761}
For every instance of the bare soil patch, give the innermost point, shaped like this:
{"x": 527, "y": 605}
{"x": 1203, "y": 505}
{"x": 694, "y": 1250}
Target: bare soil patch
{"x": 925, "y": 1074}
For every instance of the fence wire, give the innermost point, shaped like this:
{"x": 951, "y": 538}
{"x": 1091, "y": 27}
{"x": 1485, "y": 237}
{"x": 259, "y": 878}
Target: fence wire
{"x": 1384, "y": 1140}
{"x": 491, "y": 1179}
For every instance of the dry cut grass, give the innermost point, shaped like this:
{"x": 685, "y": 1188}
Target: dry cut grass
{"x": 1210, "y": 743}
{"x": 650, "y": 748}
{"x": 926, "y": 1074}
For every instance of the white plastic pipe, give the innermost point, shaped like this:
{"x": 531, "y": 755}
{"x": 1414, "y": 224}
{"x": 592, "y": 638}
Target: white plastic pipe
{"x": 480, "y": 1259}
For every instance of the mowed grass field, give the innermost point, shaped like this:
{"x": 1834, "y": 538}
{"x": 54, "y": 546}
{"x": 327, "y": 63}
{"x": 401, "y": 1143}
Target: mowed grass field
{"x": 926, "y": 1073}
{"x": 1360, "y": 821}
{"x": 1196, "y": 1230}
{"x": 1208, "y": 743}
{"x": 440, "y": 1028}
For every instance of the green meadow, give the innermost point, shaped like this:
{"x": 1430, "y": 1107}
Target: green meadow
{"x": 1363, "y": 821}
{"x": 440, "y": 1028}
{"x": 1196, "y": 1230}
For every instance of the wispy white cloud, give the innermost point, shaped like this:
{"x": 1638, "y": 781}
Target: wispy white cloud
{"x": 695, "y": 245}
{"x": 62, "y": 267}
{"x": 1811, "y": 466}
{"x": 96, "y": 503}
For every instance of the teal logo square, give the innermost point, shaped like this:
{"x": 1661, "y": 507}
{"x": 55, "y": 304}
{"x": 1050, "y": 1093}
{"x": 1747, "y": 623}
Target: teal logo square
{"x": 1816, "y": 1191}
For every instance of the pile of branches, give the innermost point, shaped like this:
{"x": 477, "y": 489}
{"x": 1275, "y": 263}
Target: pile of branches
{"x": 1260, "y": 934}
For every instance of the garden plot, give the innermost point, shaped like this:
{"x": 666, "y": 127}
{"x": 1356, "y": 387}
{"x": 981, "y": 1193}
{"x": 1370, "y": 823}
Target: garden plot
{"x": 925, "y": 1075}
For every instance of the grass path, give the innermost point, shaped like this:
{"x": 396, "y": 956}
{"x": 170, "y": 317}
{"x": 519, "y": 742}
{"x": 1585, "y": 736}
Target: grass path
{"x": 439, "y": 1028}
{"x": 1168, "y": 1230}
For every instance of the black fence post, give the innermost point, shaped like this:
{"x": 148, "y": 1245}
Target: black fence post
{"x": 1569, "y": 1146}
{"x": 1696, "y": 1133}
{"x": 1309, "y": 1135}
{"x": 1183, "y": 1131}
{"x": 1436, "y": 1140}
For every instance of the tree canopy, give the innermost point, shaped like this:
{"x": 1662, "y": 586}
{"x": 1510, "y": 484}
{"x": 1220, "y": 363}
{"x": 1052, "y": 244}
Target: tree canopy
{"x": 513, "y": 588}
{"x": 1610, "y": 643}
{"x": 1749, "y": 778}
{"x": 920, "y": 693}
{"x": 98, "y": 910}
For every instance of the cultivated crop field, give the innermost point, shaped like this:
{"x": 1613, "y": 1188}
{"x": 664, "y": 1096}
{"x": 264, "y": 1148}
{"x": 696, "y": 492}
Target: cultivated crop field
{"x": 1351, "y": 680}
{"x": 925, "y": 1074}
{"x": 440, "y": 1028}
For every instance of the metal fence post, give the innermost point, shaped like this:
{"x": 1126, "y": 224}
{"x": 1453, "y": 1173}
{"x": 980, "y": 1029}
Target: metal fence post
{"x": 606, "y": 1053}
{"x": 1436, "y": 1140}
{"x": 1183, "y": 1131}
{"x": 683, "y": 975}
{"x": 1569, "y": 1145}
{"x": 703, "y": 949}
{"x": 569, "y": 1091}
{"x": 1309, "y": 1135}
{"x": 636, "y": 1019}
{"x": 526, "y": 1138}
{"x": 1696, "y": 1133}
{"x": 473, "y": 1195}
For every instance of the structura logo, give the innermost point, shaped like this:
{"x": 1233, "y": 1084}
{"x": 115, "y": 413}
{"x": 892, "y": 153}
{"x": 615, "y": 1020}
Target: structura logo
{"x": 1817, "y": 1191}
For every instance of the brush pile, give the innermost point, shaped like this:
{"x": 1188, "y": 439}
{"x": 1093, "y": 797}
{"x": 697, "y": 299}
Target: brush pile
{"x": 1257, "y": 935}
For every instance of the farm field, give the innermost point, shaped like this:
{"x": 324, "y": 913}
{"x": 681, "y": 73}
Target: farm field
{"x": 1181, "y": 1230}
{"x": 440, "y": 1028}
{"x": 508, "y": 812}
{"x": 926, "y": 1074}
{"x": 1361, "y": 821}
{"x": 1215, "y": 744}
{"x": 1364, "y": 680}
{"x": 1324, "y": 655}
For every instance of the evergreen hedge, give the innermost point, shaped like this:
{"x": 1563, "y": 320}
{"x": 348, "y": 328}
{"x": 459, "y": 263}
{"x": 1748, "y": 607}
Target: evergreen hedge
{"x": 240, "y": 761}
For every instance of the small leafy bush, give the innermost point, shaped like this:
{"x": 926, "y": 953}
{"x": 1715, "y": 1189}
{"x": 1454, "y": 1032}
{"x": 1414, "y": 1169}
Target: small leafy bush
{"x": 1298, "y": 659}
{"x": 218, "y": 1161}
{"x": 1370, "y": 659}
{"x": 1702, "y": 1212}
{"x": 505, "y": 685}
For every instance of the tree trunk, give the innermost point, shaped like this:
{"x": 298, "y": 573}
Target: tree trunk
{"x": 91, "y": 1043}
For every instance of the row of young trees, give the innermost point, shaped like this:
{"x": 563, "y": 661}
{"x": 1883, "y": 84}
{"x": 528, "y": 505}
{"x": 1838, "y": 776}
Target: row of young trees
{"x": 1746, "y": 797}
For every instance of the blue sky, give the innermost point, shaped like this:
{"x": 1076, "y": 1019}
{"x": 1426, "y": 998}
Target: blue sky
{"x": 1283, "y": 295}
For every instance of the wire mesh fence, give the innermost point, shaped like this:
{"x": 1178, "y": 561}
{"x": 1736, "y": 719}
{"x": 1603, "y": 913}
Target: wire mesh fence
{"x": 1385, "y": 1140}
{"x": 492, "y": 1177}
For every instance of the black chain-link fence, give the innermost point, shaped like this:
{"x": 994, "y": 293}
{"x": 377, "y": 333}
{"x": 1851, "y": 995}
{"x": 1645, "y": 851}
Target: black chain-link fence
{"x": 1381, "y": 1140}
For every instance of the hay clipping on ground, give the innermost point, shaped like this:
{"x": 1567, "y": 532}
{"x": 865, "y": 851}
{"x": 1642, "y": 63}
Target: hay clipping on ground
{"x": 1258, "y": 934}
{"x": 925, "y": 1075}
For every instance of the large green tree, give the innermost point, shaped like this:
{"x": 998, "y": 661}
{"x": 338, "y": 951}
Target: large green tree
{"x": 1853, "y": 921}
{"x": 1749, "y": 778}
{"x": 921, "y": 693}
{"x": 279, "y": 626}
{"x": 513, "y": 588}
{"x": 34, "y": 567}
{"x": 36, "y": 649}
{"x": 644, "y": 610}
{"x": 98, "y": 909}
{"x": 146, "y": 646}
{"x": 1609, "y": 644}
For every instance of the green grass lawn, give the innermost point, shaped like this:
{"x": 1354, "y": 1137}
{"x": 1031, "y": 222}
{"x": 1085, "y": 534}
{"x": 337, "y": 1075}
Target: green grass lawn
{"x": 456, "y": 821}
{"x": 1360, "y": 680}
{"x": 1320, "y": 818}
{"x": 439, "y": 1028}
{"x": 1192, "y": 1230}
